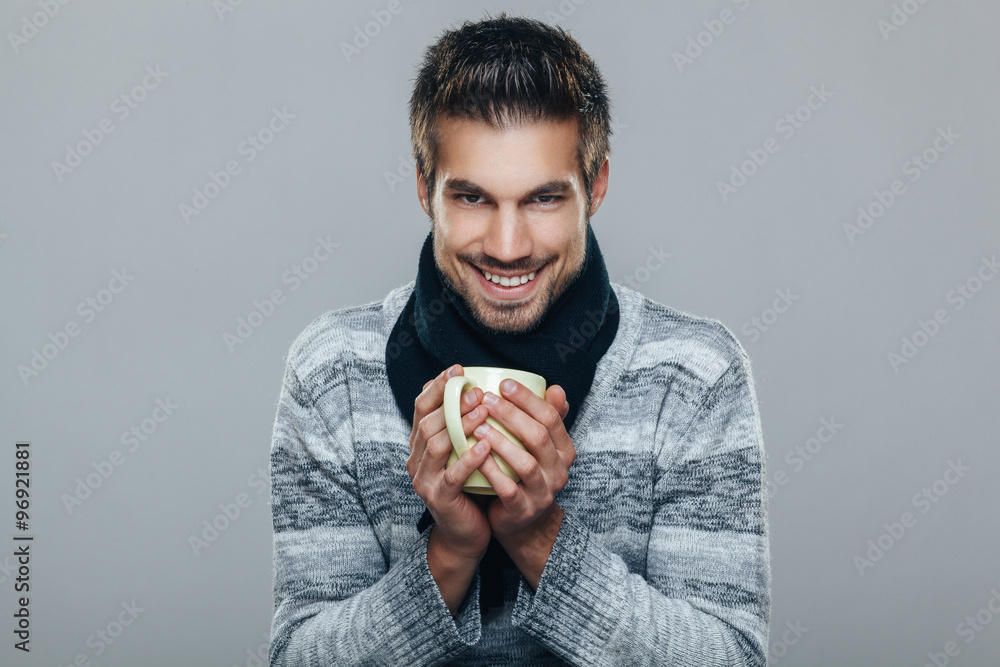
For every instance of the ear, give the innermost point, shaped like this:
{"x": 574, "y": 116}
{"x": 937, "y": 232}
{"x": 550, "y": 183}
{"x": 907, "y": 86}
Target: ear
{"x": 600, "y": 186}
{"x": 423, "y": 196}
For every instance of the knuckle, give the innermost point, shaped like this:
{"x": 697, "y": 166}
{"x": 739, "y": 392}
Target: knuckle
{"x": 450, "y": 478}
{"x": 469, "y": 422}
{"x": 424, "y": 429}
{"x": 550, "y": 417}
{"x": 438, "y": 446}
{"x": 539, "y": 434}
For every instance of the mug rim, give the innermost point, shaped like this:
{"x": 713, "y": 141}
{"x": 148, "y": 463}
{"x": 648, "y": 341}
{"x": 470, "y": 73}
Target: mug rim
{"x": 501, "y": 369}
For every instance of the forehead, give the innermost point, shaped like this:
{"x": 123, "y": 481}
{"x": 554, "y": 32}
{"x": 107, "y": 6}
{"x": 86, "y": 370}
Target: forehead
{"x": 525, "y": 153}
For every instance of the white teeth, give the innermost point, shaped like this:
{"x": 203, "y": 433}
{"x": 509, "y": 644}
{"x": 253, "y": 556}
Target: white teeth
{"x": 509, "y": 282}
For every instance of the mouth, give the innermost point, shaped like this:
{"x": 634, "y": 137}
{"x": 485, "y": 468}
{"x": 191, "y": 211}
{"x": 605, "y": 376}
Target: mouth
{"x": 494, "y": 285}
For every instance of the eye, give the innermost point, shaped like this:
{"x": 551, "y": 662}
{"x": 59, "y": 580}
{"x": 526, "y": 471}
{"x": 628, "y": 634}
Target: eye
{"x": 548, "y": 200}
{"x": 464, "y": 198}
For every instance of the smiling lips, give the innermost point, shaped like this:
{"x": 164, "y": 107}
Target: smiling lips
{"x": 507, "y": 287}
{"x": 509, "y": 282}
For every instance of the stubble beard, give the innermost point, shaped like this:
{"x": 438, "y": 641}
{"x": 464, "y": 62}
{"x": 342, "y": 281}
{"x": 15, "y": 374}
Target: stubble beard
{"x": 509, "y": 317}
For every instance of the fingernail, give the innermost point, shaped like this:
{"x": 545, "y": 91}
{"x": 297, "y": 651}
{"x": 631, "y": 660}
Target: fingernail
{"x": 480, "y": 447}
{"x": 482, "y": 430}
{"x": 508, "y": 386}
{"x": 469, "y": 396}
{"x": 474, "y": 413}
{"x": 489, "y": 398}
{"x": 453, "y": 371}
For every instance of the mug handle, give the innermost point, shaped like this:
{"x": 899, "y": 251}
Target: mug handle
{"x": 453, "y": 390}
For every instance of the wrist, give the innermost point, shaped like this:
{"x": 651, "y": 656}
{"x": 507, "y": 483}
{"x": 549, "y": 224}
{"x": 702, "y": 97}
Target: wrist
{"x": 451, "y": 553}
{"x": 530, "y": 549}
{"x": 541, "y": 533}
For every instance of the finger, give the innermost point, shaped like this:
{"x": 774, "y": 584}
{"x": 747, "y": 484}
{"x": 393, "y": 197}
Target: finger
{"x": 433, "y": 392}
{"x": 456, "y": 475}
{"x": 430, "y": 398}
{"x": 556, "y": 396}
{"x": 438, "y": 447}
{"x": 526, "y": 466}
{"x": 506, "y": 489}
{"x": 530, "y": 419}
{"x": 434, "y": 422}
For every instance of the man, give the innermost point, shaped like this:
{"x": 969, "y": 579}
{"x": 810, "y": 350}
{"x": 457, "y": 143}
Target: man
{"x": 637, "y": 534}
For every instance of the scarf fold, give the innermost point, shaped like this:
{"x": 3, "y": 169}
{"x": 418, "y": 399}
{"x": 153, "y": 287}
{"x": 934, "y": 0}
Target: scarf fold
{"x": 436, "y": 329}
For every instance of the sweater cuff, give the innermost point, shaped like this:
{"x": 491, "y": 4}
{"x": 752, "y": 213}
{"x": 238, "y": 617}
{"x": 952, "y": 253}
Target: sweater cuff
{"x": 575, "y": 606}
{"x": 427, "y": 627}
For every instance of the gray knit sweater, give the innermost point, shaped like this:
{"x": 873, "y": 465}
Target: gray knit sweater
{"x": 662, "y": 557}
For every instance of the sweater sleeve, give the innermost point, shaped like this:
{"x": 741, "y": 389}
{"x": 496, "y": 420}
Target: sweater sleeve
{"x": 705, "y": 598}
{"x": 336, "y": 601}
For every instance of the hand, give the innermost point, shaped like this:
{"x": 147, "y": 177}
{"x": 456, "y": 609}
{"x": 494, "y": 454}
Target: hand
{"x": 461, "y": 526}
{"x": 529, "y": 505}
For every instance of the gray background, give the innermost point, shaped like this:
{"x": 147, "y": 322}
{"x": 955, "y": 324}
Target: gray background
{"x": 680, "y": 131}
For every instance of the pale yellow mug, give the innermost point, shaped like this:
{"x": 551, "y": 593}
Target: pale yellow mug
{"x": 487, "y": 378}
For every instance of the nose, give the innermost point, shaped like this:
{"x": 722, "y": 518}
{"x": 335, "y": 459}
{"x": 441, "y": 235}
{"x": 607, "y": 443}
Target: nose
{"x": 507, "y": 238}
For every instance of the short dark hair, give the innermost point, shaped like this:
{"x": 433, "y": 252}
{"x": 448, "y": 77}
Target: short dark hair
{"x": 503, "y": 71}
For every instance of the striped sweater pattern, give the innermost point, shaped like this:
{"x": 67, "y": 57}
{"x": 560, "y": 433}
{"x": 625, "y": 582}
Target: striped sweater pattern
{"x": 662, "y": 557}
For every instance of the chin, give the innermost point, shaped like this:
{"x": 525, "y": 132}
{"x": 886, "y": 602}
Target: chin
{"x": 505, "y": 318}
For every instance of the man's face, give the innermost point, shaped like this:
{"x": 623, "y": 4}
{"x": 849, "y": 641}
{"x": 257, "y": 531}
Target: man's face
{"x": 511, "y": 203}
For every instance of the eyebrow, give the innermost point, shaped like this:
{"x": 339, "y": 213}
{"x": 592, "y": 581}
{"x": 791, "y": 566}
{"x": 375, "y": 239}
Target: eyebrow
{"x": 467, "y": 186}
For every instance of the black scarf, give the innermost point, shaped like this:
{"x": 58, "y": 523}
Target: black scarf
{"x": 436, "y": 330}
